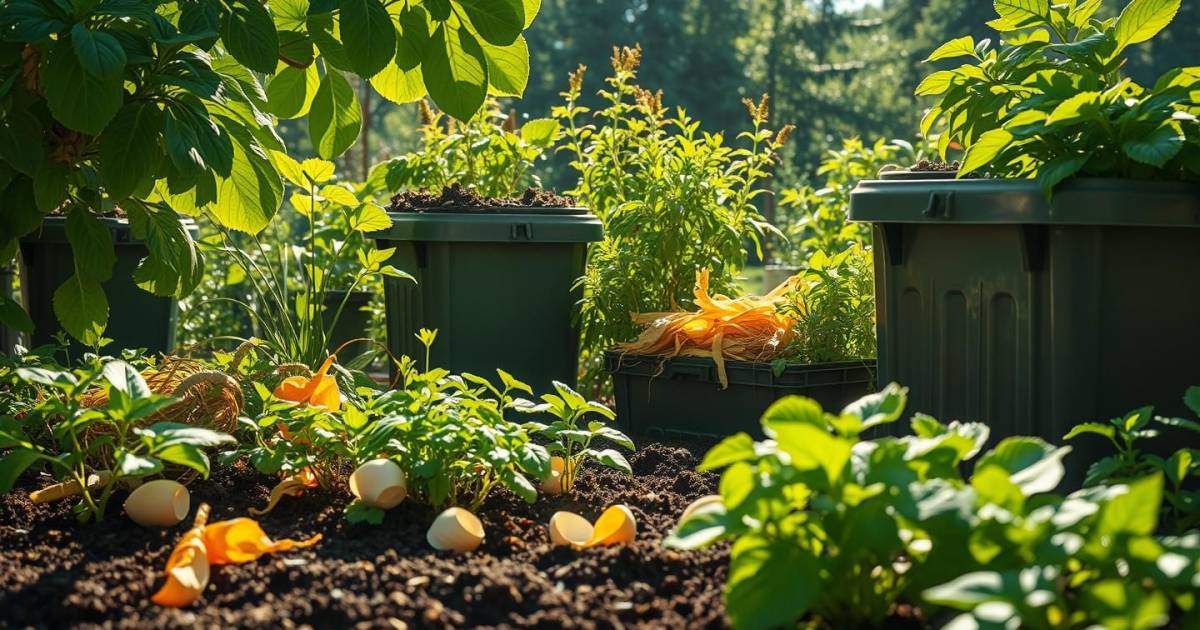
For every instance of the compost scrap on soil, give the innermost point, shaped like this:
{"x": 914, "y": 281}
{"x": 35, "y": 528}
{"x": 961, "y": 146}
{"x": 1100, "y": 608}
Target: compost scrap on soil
{"x": 57, "y": 573}
{"x": 456, "y": 198}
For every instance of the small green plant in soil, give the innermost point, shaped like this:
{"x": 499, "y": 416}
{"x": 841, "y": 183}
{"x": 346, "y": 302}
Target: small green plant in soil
{"x": 673, "y": 199}
{"x": 572, "y": 442}
{"x": 99, "y": 447}
{"x": 1128, "y": 434}
{"x": 836, "y": 531}
{"x": 1049, "y": 101}
{"x": 833, "y": 306}
{"x": 487, "y": 154}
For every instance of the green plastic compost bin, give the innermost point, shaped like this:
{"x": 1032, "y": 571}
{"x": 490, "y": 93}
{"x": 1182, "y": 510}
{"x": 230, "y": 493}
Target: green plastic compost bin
{"x": 137, "y": 318}
{"x": 997, "y": 305}
{"x": 496, "y": 283}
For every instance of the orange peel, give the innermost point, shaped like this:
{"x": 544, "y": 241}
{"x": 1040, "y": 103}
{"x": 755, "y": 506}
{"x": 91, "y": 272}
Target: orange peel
{"x": 234, "y": 541}
{"x": 321, "y": 390}
{"x": 291, "y": 486}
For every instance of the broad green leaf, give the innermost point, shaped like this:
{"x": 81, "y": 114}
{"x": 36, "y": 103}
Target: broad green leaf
{"x": 185, "y": 455}
{"x": 335, "y": 119}
{"x": 177, "y": 433}
{"x": 12, "y": 465}
{"x": 1143, "y": 19}
{"x": 704, "y": 527}
{"x": 531, "y": 10}
{"x": 1124, "y": 605}
{"x": 813, "y": 447}
{"x": 1191, "y": 398}
{"x": 879, "y": 408}
{"x": 368, "y": 36}
{"x": 99, "y": 53}
{"x": 77, "y": 98}
{"x": 175, "y": 267}
{"x": 399, "y": 85}
{"x": 253, "y": 192}
{"x": 936, "y": 83}
{"x": 733, "y": 449}
{"x": 133, "y": 465}
{"x": 290, "y": 169}
{"x": 1052, "y": 173}
{"x": 32, "y": 21}
{"x": 51, "y": 378}
{"x": 614, "y": 459}
{"x": 249, "y": 34}
{"x": 291, "y": 91}
{"x": 985, "y": 150}
{"x": 195, "y": 143}
{"x": 13, "y": 316}
{"x": 1079, "y": 107}
{"x": 369, "y": 217}
{"x": 794, "y": 409}
{"x": 1134, "y": 511}
{"x": 519, "y": 485}
{"x": 50, "y": 185}
{"x": 324, "y": 30}
{"x": 1094, "y": 428}
{"x": 994, "y": 486}
{"x": 498, "y": 22}
{"x": 1083, "y": 11}
{"x": 127, "y": 379}
{"x": 21, "y": 140}
{"x": 771, "y": 582}
{"x": 1022, "y": 13}
{"x": 540, "y": 131}
{"x": 1158, "y": 147}
{"x": 508, "y": 67}
{"x": 82, "y": 309}
{"x": 91, "y": 245}
{"x": 319, "y": 171}
{"x": 455, "y": 72}
{"x": 961, "y": 47}
{"x": 338, "y": 194}
{"x": 129, "y": 148}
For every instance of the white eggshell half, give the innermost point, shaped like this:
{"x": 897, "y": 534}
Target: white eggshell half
{"x": 455, "y": 529}
{"x": 158, "y": 503}
{"x": 615, "y": 526}
{"x": 379, "y": 483}
{"x": 568, "y": 528}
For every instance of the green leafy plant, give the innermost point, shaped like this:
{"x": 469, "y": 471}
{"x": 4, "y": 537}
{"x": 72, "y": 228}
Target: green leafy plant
{"x": 568, "y": 440}
{"x": 1049, "y": 102}
{"x": 99, "y": 447}
{"x": 813, "y": 219}
{"x": 673, "y": 200}
{"x": 289, "y": 281}
{"x": 487, "y": 154}
{"x": 1131, "y": 462}
{"x": 447, "y": 432}
{"x": 156, "y": 107}
{"x": 833, "y": 306}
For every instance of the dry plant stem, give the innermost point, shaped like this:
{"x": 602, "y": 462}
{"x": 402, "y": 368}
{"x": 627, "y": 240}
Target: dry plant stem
{"x": 65, "y": 489}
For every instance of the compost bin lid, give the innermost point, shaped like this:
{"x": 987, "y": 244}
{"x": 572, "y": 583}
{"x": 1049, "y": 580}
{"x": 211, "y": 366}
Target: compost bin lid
{"x": 54, "y": 230}
{"x": 498, "y": 224}
{"x": 1083, "y": 201}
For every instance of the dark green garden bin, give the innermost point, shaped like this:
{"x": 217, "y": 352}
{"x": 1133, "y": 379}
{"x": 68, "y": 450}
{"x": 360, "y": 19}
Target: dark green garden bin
{"x": 137, "y": 318}
{"x": 681, "y": 397}
{"x": 497, "y": 284}
{"x": 1032, "y": 316}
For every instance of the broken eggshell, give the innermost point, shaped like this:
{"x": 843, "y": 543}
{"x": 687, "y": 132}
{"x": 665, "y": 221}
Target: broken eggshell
{"x": 614, "y": 527}
{"x": 158, "y": 503}
{"x": 568, "y": 528}
{"x": 379, "y": 483}
{"x": 553, "y": 484}
{"x": 455, "y": 529}
{"x": 709, "y": 503}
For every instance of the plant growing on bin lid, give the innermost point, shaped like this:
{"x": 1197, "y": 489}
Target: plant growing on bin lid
{"x": 570, "y": 442}
{"x": 157, "y": 107}
{"x": 1049, "y": 101}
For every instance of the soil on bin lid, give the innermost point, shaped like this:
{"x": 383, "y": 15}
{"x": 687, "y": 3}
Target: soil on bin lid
{"x": 456, "y": 198}
{"x": 928, "y": 166}
{"x": 57, "y": 573}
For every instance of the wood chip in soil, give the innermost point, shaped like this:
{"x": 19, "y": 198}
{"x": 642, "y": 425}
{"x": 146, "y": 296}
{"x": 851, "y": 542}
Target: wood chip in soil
{"x": 57, "y": 573}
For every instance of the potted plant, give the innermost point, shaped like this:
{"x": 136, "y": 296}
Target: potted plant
{"x": 117, "y": 115}
{"x": 714, "y": 371}
{"x": 495, "y": 258}
{"x": 1051, "y": 291}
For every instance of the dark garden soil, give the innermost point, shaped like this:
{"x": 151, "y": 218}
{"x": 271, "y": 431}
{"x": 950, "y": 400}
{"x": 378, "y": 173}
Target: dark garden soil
{"x": 456, "y": 198}
{"x": 56, "y": 573}
{"x": 928, "y": 166}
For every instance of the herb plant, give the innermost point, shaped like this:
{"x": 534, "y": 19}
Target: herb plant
{"x": 1050, "y": 102}
{"x": 97, "y": 448}
{"x": 1131, "y": 462}
{"x": 673, "y": 200}
{"x": 568, "y": 440}
{"x": 833, "y": 306}
{"x": 487, "y": 154}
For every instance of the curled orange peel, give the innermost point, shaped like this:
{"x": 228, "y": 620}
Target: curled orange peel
{"x": 321, "y": 390}
{"x": 234, "y": 541}
{"x": 291, "y": 486}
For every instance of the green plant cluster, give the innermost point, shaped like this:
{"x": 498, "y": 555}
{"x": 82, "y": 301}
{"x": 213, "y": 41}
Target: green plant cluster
{"x": 835, "y": 529}
{"x": 487, "y": 154}
{"x": 447, "y": 432}
{"x": 152, "y": 108}
{"x": 673, "y": 199}
{"x": 813, "y": 219}
{"x": 833, "y": 305}
{"x": 102, "y": 445}
{"x": 1050, "y": 102}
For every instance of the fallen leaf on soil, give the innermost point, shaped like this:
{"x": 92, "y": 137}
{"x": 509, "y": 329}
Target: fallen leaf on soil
{"x": 748, "y": 328}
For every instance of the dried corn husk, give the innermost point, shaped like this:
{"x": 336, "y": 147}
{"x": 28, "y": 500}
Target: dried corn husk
{"x": 748, "y": 328}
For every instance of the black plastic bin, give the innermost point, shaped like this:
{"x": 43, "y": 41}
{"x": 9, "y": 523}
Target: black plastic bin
{"x": 994, "y": 304}
{"x": 682, "y": 396}
{"x": 137, "y": 318}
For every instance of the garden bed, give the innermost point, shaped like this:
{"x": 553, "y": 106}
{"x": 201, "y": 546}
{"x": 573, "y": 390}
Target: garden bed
{"x": 59, "y": 574}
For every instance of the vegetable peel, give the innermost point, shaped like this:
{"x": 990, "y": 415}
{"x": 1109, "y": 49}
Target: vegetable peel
{"x": 235, "y": 541}
{"x": 321, "y": 390}
{"x": 291, "y": 486}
